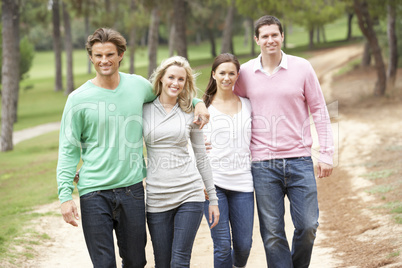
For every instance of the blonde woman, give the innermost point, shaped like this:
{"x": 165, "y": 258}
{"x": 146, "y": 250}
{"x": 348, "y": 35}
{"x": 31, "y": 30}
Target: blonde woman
{"x": 175, "y": 183}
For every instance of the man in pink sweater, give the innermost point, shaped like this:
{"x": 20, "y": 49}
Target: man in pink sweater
{"x": 283, "y": 89}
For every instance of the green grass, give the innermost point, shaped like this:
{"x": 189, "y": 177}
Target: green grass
{"x": 395, "y": 208}
{"x": 27, "y": 179}
{"x": 350, "y": 66}
{"x": 397, "y": 218}
{"x": 380, "y": 189}
{"x": 393, "y": 254}
{"x": 379, "y": 174}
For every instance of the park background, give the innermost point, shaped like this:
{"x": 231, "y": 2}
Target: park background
{"x": 361, "y": 207}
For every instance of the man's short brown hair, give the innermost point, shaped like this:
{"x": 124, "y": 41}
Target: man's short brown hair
{"x": 266, "y": 20}
{"x": 104, "y": 35}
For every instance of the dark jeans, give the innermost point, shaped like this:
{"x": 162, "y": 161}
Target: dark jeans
{"x": 273, "y": 179}
{"x": 235, "y": 227}
{"x": 122, "y": 210}
{"x": 173, "y": 233}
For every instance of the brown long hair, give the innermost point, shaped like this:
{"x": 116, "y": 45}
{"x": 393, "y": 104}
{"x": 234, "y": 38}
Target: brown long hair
{"x": 212, "y": 88}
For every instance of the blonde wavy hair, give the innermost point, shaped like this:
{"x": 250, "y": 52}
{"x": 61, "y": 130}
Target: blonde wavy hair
{"x": 189, "y": 91}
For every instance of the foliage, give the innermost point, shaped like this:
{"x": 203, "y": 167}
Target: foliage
{"x": 317, "y": 13}
{"x": 41, "y": 37}
{"x": 381, "y": 31}
{"x": 41, "y": 105}
{"x": 26, "y": 57}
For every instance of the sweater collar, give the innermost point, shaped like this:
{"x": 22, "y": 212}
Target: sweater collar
{"x": 283, "y": 64}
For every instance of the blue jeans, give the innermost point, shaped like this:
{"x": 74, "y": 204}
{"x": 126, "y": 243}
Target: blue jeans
{"x": 237, "y": 213}
{"x": 173, "y": 233}
{"x": 121, "y": 209}
{"x": 273, "y": 179}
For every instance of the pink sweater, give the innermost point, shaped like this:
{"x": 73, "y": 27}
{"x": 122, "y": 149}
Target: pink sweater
{"x": 280, "y": 104}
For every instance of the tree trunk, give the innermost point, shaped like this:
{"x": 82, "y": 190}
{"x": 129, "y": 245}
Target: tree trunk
{"x": 393, "y": 45}
{"x": 107, "y": 17}
{"x": 324, "y": 37}
{"x": 246, "y": 32}
{"x": 318, "y": 34}
{"x": 180, "y": 26}
{"x": 16, "y": 89}
{"x": 311, "y": 38}
{"x": 69, "y": 49}
{"x": 366, "y": 26}
{"x": 132, "y": 45}
{"x": 172, "y": 34}
{"x": 57, "y": 45}
{"x": 285, "y": 32}
{"x": 10, "y": 72}
{"x": 227, "y": 31}
{"x": 349, "y": 34}
{"x": 153, "y": 37}
{"x": 132, "y": 38}
{"x": 252, "y": 37}
{"x": 89, "y": 70}
{"x": 211, "y": 38}
{"x": 198, "y": 38}
{"x": 366, "y": 59}
{"x": 116, "y": 14}
{"x": 232, "y": 47}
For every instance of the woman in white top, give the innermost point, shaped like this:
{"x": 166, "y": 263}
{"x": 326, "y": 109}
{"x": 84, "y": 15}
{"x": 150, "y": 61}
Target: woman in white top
{"x": 175, "y": 182}
{"x": 229, "y": 133}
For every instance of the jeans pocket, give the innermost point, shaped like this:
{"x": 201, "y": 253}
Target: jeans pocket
{"x": 306, "y": 159}
{"x": 88, "y": 196}
{"x": 136, "y": 193}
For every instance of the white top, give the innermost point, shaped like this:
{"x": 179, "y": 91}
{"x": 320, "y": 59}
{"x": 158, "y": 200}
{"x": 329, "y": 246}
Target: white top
{"x": 230, "y": 154}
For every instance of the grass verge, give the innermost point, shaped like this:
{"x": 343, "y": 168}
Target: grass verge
{"x": 27, "y": 179}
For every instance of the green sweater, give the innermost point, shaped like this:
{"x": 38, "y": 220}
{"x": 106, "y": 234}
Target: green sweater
{"x": 107, "y": 125}
{"x": 104, "y": 128}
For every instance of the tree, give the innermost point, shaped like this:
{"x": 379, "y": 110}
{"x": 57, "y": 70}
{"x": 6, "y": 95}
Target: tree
{"x": 310, "y": 14}
{"x": 350, "y": 13}
{"x": 153, "y": 37}
{"x": 87, "y": 9}
{"x": 366, "y": 58}
{"x": 16, "y": 89}
{"x": 132, "y": 36}
{"x": 208, "y": 19}
{"x": 367, "y": 27}
{"x": 10, "y": 71}
{"x": 180, "y": 27}
{"x": 136, "y": 23}
{"x": 57, "y": 45}
{"x": 172, "y": 33}
{"x": 315, "y": 14}
{"x": 393, "y": 44}
{"x": 69, "y": 49}
{"x": 227, "y": 44}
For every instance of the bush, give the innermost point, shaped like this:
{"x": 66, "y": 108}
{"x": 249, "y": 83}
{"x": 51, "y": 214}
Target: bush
{"x": 26, "y": 56}
{"x": 27, "y": 53}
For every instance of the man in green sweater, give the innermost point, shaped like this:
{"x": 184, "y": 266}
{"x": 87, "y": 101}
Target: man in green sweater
{"x": 102, "y": 124}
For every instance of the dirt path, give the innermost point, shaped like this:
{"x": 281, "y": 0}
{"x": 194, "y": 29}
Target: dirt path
{"x": 33, "y": 132}
{"x": 355, "y": 135}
